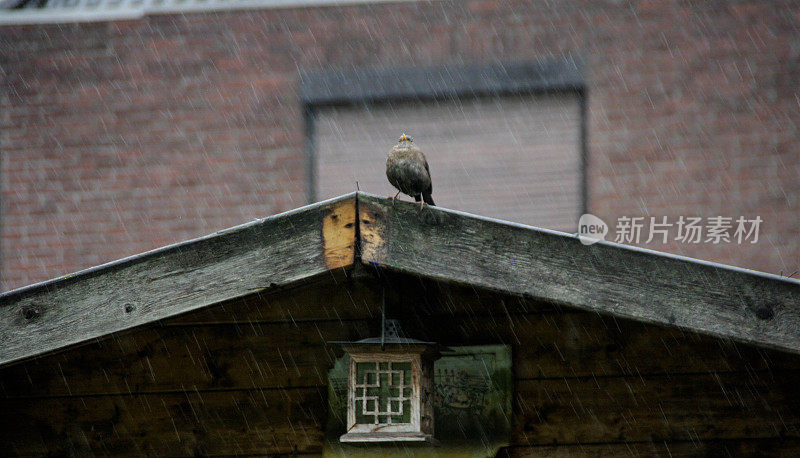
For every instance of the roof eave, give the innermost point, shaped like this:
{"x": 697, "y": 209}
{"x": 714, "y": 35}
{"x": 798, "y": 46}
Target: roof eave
{"x": 447, "y": 245}
{"x": 267, "y": 253}
{"x": 629, "y": 282}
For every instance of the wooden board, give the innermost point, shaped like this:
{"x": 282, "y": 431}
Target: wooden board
{"x": 627, "y": 282}
{"x": 247, "y": 374}
{"x": 438, "y": 244}
{"x": 179, "y": 423}
{"x": 657, "y": 408}
{"x": 233, "y": 386}
{"x": 359, "y": 296}
{"x": 730, "y": 447}
{"x": 328, "y": 298}
{"x": 276, "y": 251}
{"x": 201, "y": 357}
{"x": 575, "y": 411}
{"x": 293, "y": 350}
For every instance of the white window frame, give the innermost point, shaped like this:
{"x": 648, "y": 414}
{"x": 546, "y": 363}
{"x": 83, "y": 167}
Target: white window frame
{"x": 416, "y": 374}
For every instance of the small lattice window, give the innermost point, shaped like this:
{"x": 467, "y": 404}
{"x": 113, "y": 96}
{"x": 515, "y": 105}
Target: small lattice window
{"x": 383, "y": 393}
{"x": 389, "y": 397}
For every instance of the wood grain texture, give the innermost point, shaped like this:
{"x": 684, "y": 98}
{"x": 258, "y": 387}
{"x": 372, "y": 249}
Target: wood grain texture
{"x": 292, "y": 354}
{"x": 248, "y": 376}
{"x": 204, "y": 358}
{"x": 166, "y": 424}
{"x": 272, "y": 252}
{"x": 330, "y": 297}
{"x": 729, "y": 447}
{"x": 718, "y": 300}
{"x": 339, "y": 234}
{"x": 657, "y": 408}
{"x": 280, "y": 339}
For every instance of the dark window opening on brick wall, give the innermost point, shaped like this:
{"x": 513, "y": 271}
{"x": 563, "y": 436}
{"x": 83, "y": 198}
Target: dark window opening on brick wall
{"x": 506, "y": 141}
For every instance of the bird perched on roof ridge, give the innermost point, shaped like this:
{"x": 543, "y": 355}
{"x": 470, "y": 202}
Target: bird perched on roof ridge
{"x": 407, "y": 170}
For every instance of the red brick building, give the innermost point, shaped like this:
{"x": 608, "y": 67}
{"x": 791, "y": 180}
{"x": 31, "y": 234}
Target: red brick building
{"x": 134, "y": 131}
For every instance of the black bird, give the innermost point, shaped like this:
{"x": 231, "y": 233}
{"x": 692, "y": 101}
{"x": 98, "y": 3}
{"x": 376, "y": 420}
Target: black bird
{"x": 407, "y": 170}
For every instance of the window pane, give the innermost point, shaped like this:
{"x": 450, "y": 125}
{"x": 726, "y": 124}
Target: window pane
{"x": 521, "y": 155}
{"x": 362, "y": 418}
{"x": 361, "y": 369}
{"x": 406, "y": 417}
{"x": 382, "y": 395}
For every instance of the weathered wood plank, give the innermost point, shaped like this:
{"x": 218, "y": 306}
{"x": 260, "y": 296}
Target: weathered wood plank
{"x": 734, "y": 447}
{"x": 690, "y": 408}
{"x": 167, "y": 424}
{"x": 563, "y": 341}
{"x": 443, "y": 244}
{"x": 580, "y": 344}
{"x": 201, "y": 357}
{"x": 331, "y": 297}
{"x": 295, "y": 353}
{"x": 275, "y": 251}
{"x": 657, "y": 408}
{"x": 338, "y": 298}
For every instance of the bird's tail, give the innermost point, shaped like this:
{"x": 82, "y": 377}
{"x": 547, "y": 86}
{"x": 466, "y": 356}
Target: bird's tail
{"x": 426, "y": 196}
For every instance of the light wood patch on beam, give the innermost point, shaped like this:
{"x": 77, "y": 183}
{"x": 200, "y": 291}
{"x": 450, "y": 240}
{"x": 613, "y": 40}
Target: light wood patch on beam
{"x": 339, "y": 234}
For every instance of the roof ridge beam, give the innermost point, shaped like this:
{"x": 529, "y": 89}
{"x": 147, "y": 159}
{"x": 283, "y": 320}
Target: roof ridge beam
{"x": 629, "y": 282}
{"x": 266, "y": 253}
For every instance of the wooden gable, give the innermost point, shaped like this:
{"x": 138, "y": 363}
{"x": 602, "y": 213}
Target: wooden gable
{"x": 219, "y": 345}
{"x": 248, "y": 376}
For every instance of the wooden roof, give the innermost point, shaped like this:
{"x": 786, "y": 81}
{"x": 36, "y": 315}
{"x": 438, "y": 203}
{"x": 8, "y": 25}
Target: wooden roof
{"x": 301, "y": 244}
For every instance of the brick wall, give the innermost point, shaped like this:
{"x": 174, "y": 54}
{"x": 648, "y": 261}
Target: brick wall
{"x": 119, "y": 137}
